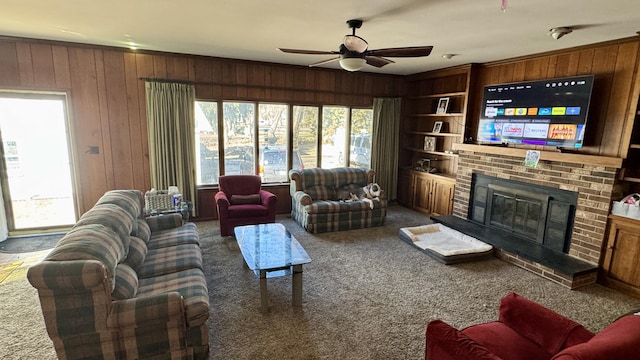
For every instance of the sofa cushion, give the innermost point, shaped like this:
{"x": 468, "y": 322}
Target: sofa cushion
{"x": 618, "y": 341}
{"x": 137, "y": 252}
{"x": 443, "y": 340}
{"x": 323, "y": 207}
{"x": 90, "y": 242}
{"x": 505, "y": 343}
{"x": 171, "y": 259}
{"x": 186, "y": 234}
{"x": 143, "y": 231}
{"x": 345, "y": 176}
{"x": 126, "y": 285}
{"x": 245, "y": 199}
{"x": 547, "y": 328}
{"x": 191, "y": 284}
{"x": 321, "y": 192}
{"x": 111, "y": 216}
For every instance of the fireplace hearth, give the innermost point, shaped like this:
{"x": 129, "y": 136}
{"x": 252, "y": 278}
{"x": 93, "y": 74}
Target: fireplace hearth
{"x": 535, "y": 213}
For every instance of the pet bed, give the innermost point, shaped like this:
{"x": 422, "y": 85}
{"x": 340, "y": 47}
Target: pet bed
{"x": 444, "y": 244}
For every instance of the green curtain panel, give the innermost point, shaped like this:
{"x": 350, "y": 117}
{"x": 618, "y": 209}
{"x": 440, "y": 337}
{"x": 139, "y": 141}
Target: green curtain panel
{"x": 171, "y": 130}
{"x": 384, "y": 146}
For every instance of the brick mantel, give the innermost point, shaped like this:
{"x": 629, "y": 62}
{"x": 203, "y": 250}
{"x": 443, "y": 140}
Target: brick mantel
{"x": 544, "y": 155}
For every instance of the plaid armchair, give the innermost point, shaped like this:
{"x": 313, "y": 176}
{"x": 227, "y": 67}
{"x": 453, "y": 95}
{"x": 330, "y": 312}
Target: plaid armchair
{"x": 119, "y": 286}
{"x": 316, "y": 205}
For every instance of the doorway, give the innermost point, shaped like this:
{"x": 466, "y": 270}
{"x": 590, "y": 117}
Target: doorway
{"x": 36, "y": 181}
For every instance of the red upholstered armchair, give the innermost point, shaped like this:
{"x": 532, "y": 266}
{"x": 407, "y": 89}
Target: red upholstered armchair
{"x": 241, "y": 201}
{"x": 526, "y": 330}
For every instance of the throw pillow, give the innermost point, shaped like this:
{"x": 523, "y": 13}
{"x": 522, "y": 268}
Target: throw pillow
{"x": 245, "y": 199}
{"x": 144, "y": 231}
{"x": 137, "y": 252}
{"x": 126, "y": 285}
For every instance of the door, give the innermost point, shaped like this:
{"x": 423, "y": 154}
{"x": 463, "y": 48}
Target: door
{"x": 36, "y": 177}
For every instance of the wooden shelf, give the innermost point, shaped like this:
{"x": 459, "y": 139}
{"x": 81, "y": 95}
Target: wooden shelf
{"x": 434, "y": 134}
{"x": 442, "y": 153}
{"x": 634, "y": 146}
{"x": 631, "y": 179}
{"x": 434, "y": 96}
{"x": 437, "y": 115}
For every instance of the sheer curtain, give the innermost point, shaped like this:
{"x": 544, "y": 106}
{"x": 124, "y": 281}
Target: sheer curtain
{"x": 384, "y": 147}
{"x": 171, "y": 126}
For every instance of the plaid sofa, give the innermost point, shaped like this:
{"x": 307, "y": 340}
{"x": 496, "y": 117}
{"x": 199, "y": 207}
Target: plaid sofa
{"x": 121, "y": 286}
{"x": 315, "y": 200}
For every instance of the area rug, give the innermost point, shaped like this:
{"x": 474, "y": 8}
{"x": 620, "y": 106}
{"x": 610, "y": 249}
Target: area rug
{"x": 366, "y": 295}
{"x": 31, "y": 243}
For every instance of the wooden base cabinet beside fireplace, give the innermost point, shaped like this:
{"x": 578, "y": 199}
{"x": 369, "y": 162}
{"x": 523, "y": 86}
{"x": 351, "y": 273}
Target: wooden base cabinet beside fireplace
{"x": 621, "y": 261}
{"x": 427, "y": 193}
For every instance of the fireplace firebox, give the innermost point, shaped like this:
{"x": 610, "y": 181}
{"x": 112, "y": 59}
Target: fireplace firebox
{"x": 539, "y": 214}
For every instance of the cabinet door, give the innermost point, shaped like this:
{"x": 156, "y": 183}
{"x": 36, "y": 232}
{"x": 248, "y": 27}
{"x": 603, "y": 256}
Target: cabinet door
{"x": 622, "y": 256}
{"x": 422, "y": 193}
{"x": 442, "y": 198}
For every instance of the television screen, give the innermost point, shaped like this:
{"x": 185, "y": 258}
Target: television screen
{"x": 543, "y": 112}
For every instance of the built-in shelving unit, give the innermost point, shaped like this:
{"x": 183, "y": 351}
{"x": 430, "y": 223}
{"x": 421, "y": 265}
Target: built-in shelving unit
{"x": 435, "y": 118}
{"x": 436, "y": 110}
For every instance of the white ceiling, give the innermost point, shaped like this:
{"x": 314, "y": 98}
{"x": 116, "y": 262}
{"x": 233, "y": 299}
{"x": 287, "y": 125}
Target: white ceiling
{"x": 473, "y": 30}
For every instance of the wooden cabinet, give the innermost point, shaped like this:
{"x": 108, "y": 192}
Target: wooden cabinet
{"x": 436, "y": 109}
{"x": 620, "y": 265}
{"x": 427, "y": 193}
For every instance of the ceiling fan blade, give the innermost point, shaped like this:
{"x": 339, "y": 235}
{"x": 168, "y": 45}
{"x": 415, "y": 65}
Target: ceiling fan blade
{"x": 308, "y": 52}
{"x": 410, "y": 51}
{"x": 377, "y": 61}
{"x": 325, "y": 61}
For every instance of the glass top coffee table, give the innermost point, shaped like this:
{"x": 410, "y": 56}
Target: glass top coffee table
{"x": 270, "y": 250}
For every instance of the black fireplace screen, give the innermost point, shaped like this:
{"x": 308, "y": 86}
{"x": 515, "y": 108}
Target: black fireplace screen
{"x": 536, "y": 213}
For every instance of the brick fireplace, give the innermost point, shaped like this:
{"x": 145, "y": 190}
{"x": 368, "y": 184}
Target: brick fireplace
{"x": 591, "y": 177}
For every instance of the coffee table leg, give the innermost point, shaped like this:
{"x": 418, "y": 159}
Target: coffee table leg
{"x": 264, "y": 302}
{"x": 297, "y": 285}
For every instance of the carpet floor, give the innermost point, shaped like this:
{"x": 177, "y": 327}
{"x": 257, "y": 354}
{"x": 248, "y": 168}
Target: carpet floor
{"x": 366, "y": 295}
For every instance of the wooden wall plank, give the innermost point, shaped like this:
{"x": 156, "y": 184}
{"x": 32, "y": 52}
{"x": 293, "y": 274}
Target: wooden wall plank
{"x": 61, "y": 67}
{"x": 43, "y": 69}
{"x": 25, "y": 65}
{"x": 103, "y": 112}
{"x": 118, "y": 120}
{"x": 137, "y": 136}
{"x": 144, "y": 68}
{"x": 203, "y": 72}
{"x": 91, "y": 172}
{"x": 9, "y": 66}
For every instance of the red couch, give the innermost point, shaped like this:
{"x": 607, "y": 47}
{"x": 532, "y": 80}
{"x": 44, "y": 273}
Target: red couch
{"x": 526, "y": 330}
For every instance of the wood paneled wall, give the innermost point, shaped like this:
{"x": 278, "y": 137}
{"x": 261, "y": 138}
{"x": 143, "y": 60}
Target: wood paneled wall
{"x": 615, "y": 66}
{"x": 106, "y": 97}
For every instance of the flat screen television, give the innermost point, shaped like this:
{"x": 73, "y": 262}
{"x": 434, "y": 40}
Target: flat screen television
{"x": 543, "y": 112}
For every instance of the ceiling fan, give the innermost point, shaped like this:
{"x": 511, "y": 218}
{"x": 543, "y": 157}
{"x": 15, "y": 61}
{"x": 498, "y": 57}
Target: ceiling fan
{"x": 354, "y": 54}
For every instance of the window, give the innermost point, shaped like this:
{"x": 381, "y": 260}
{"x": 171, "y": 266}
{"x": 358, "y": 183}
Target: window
{"x": 305, "y": 134}
{"x": 361, "y": 130}
{"x": 239, "y": 138}
{"x": 268, "y": 139}
{"x": 273, "y": 121}
{"x": 334, "y": 130}
{"x": 207, "y": 158}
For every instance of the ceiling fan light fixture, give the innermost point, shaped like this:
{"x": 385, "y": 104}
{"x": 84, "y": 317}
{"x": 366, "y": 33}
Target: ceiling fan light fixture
{"x": 355, "y": 43}
{"x": 559, "y": 32}
{"x": 352, "y": 63}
